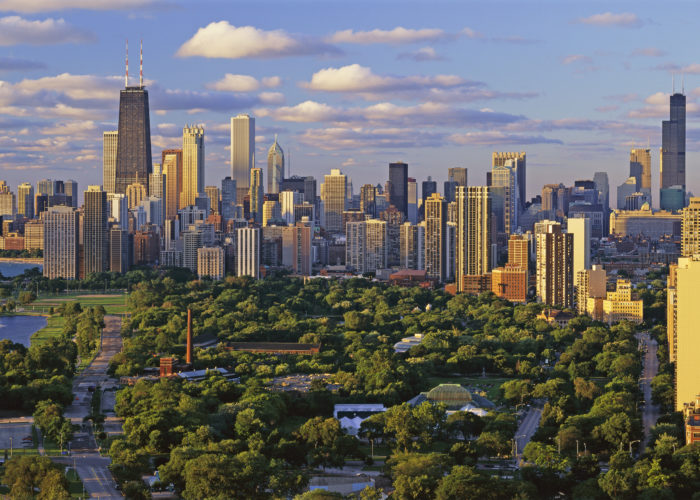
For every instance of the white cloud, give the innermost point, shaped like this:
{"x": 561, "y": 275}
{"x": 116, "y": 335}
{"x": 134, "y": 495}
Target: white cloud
{"x": 304, "y": 112}
{"x": 357, "y": 138}
{"x": 576, "y": 58}
{"x": 422, "y": 54}
{"x": 34, "y": 6}
{"x": 396, "y": 36}
{"x": 356, "y": 78}
{"x": 693, "y": 69}
{"x": 243, "y": 83}
{"x": 223, "y": 40}
{"x": 625, "y": 19}
{"x": 15, "y": 30}
{"x": 271, "y": 97}
{"x": 470, "y": 33}
{"x": 77, "y": 87}
{"x": 496, "y": 137}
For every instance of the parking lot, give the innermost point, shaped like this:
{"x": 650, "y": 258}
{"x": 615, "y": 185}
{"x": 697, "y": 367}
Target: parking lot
{"x": 15, "y": 434}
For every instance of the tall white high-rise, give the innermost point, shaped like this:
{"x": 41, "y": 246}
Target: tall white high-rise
{"x": 119, "y": 209}
{"x": 192, "y": 164}
{"x": 242, "y": 152}
{"x": 109, "y": 160}
{"x": 275, "y": 167}
{"x": 580, "y": 227}
{"x": 334, "y": 197}
{"x": 288, "y": 199}
{"x": 61, "y": 243}
{"x": 25, "y": 200}
{"x": 248, "y": 252}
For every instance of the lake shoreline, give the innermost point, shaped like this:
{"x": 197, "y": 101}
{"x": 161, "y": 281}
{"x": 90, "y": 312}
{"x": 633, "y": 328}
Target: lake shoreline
{"x": 23, "y": 260}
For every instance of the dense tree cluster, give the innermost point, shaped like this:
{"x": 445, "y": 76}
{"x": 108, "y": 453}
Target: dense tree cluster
{"x": 35, "y": 477}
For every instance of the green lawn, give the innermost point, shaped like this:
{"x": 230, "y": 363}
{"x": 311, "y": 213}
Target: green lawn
{"x": 114, "y": 303}
{"x": 53, "y": 329}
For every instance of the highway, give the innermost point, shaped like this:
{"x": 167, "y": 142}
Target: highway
{"x": 93, "y": 468}
{"x": 525, "y": 431}
{"x": 650, "y": 367}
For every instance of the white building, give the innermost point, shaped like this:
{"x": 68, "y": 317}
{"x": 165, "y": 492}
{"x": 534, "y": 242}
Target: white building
{"x": 248, "y": 252}
{"x": 210, "y": 262}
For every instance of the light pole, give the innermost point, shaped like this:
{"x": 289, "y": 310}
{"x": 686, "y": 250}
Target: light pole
{"x": 558, "y": 438}
{"x": 631, "y": 442}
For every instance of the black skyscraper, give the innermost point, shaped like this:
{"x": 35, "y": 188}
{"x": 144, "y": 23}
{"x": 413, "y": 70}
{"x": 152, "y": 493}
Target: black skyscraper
{"x": 398, "y": 177}
{"x": 134, "y": 139}
{"x": 673, "y": 156}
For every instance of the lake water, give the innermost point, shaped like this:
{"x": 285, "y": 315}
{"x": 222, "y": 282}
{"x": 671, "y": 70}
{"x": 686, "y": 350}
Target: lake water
{"x": 10, "y": 269}
{"x": 19, "y": 329}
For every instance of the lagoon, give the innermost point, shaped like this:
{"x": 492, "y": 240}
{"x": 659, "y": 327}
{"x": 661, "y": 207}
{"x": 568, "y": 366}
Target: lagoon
{"x": 19, "y": 329}
{"x": 12, "y": 269}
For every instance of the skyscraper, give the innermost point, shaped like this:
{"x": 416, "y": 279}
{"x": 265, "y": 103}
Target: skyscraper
{"x": 61, "y": 255}
{"x": 640, "y": 169}
{"x": 95, "y": 231}
{"x": 192, "y": 164}
{"x": 458, "y": 175}
{"x": 461, "y": 219}
{"x": 398, "y": 177}
{"x": 25, "y": 200}
{"x": 109, "y": 160}
{"x": 581, "y": 229}
{"x": 690, "y": 229}
{"x": 366, "y": 246}
{"x": 156, "y": 184}
{"x": 555, "y": 262}
{"x": 368, "y": 200}
{"x": 296, "y": 247}
{"x": 478, "y": 230}
{"x": 412, "y": 246}
{"x": 412, "y": 215}
{"x": 334, "y": 197}
{"x": 436, "y": 237}
{"x": 275, "y": 167}
{"x": 520, "y": 168}
{"x": 228, "y": 198}
{"x": 70, "y": 189}
{"x": 242, "y": 152}
{"x": 505, "y": 196}
{"x": 248, "y": 252}
{"x": 8, "y": 202}
{"x": 257, "y": 195}
{"x": 133, "y": 138}
{"x": 172, "y": 171}
{"x": 672, "y": 161}
{"x": 214, "y": 195}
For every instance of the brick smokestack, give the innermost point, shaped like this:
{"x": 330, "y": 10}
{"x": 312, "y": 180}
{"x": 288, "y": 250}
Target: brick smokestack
{"x": 189, "y": 336}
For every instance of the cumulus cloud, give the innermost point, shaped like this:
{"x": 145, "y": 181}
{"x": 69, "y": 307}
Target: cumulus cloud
{"x": 223, "y": 40}
{"x": 34, "y": 6}
{"x": 623, "y": 19}
{"x": 496, "y": 137}
{"x": 422, "y": 54}
{"x": 271, "y": 97}
{"x": 577, "y": 58}
{"x": 15, "y": 30}
{"x": 396, "y": 36}
{"x": 243, "y": 83}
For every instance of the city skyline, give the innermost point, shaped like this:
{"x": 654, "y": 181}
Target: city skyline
{"x": 351, "y": 94}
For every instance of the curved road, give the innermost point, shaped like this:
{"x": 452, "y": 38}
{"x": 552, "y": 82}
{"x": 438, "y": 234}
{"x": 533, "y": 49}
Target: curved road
{"x": 93, "y": 468}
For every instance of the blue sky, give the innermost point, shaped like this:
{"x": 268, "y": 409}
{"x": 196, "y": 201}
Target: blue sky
{"x": 352, "y": 85}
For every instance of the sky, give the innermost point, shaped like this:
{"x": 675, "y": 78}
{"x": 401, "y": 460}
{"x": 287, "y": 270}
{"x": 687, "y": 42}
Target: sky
{"x": 353, "y": 85}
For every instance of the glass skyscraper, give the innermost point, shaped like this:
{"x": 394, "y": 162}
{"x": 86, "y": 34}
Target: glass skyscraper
{"x": 133, "y": 139}
{"x": 673, "y": 156}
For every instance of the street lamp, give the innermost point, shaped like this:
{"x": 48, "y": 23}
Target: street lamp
{"x": 631, "y": 442}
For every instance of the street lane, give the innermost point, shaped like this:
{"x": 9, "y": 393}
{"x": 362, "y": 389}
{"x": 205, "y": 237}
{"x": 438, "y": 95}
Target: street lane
{"x": 650, "y": 411}
{"x": 526, "y": 430}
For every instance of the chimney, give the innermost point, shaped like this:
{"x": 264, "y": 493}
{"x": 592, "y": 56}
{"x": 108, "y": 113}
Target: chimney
{"x": 189, "y": 336}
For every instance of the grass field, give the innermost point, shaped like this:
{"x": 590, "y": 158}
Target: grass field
{"x": 114, "y": 303}
{"x": 53, "y": 328}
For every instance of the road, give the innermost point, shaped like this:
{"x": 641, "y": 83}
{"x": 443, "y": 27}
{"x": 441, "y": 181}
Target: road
{"x": 650, "y": 363}
{"x": 93, "y": 468}
{"x": 526, "y": 430}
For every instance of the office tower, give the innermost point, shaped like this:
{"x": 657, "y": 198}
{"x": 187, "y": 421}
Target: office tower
{"x": 156, "y": 182}
{"x": 70, "y": 189}
{"x": 685, "y": 343}
{"x": 427, "y": 189}
{"x": 412, "y": 204}
{"x": 510, "y": 283}
{"x": 8, "y": 203}
{"x": 603, "y": 186}
{"x": 190, "y": 216}
{"x": 518, "y": 251}
{"x": 518, "y": 163}
{"x": 305, "y": 185}
{"x": 257, "y": 194}
{"x": 119, "y": 209}
{"x": 672, "y": 157}
{"x": 135, "y": 193}
{"x": 458, "y": 175}
{"x": 45, "y": 186}
{"x": 270, "y": 212}
{"x": 192, "y": 164}
{"x": 366, "y": 246}
{"x": 214, "y": 196}
{"x": 590, "y": 290}
{"x": 248, "y": 252}
{"x": 505, "y": 196}
{"x": 304, "y": 210}
{"x": 435, "y": 237}
{"x": 34, "y": 234}
{"x": 581, "y": 229}
{"x": 95, "y": 230}
{"x": 120, "y": 244}
{"x": 146, "y": 245}
{"x": 478, "y": 230}
{"x": 690, "y": 229}
{"x": 297, "y": 251}
{"x": 368, "y": 200}
{"x": 203, "y": 202}
{"x": 461, "y": 220}
{"x": 449, "y": 188}
{"x": 228, "y": 199}
{"x": 393, "y": 218}
{"x": 172, "y": 171}
{"x": 555, "y": 262}
{"x": 25, "y": 200}
{"x": 153, "y": 207}
{"x": 61, "y": 253}
{"x": 109, "y": 160}
{"x": 242, "y": 152}
{"x": 398, "y": 195}
{"x": 640, "y": 168}
{"x": 627, "y": 188}
{"x": 210, "y": 262}
{"x": 334, "y": 198}
{"x": 275, "y": 167}
{"x": 412, "y": 246}
{"x": 450, "y": 249}
{"x": 191, "y": 238}
{"x": 133, "y": 138}
{"x": 288, "y": 200}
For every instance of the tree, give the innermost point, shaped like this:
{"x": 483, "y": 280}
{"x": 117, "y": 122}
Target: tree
{"x": 48, "y": 416}
{"x": 27, "y": 474}
{"x": 415, "y": 475}
{"x": 466, "y": 482}
{"x": 545, "y": 456}
{"x": 615, "y": 430}
{"x": 326, "y": 442}
{"x": 401, "y": 425}
{"x": 465, "y": 423}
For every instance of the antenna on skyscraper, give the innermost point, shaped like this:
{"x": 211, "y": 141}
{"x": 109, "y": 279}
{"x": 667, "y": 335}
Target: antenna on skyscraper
{"x": 141, "y": 66}
{"x": 682, "y": 83}
{"x": 126, "y": 77}
{"x": 673, "y": 83}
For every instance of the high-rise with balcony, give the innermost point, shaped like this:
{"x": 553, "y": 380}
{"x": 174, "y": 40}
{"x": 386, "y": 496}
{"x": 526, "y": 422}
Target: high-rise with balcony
{"x": 133, "y": 138}
{"x": 95, "y": 230}
{"x": 172, "y": 173}
{"x": 248, "y": 251}
{"x": 242, "y": 152}
{"x": 672, "y": 158}
{"x": 690, "y": 229}
{"x": 334, "y": 198}
{"x": 555, "y": 263}
{"x": 8, "y": 202}
{"x": 109, "y": 160}
{"x": 519, "y": 166}
{"x": 25, "y": 200}
{"x": 61, "y": 254}
{"x": 192, "y": 164}
{"x": 275, "y": 167}
{"x": 478, "y": 230}
{"x": 257, "y": 195}
{"x": 436, "y": 237}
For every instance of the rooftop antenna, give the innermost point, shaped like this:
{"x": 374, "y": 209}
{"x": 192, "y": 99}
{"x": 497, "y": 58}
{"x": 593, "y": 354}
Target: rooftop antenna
{"x": 673, "y": 83}
{"x": 126, "y": 77}
{"x": 682, "y": 83}
{"x": 141, "y": 66}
